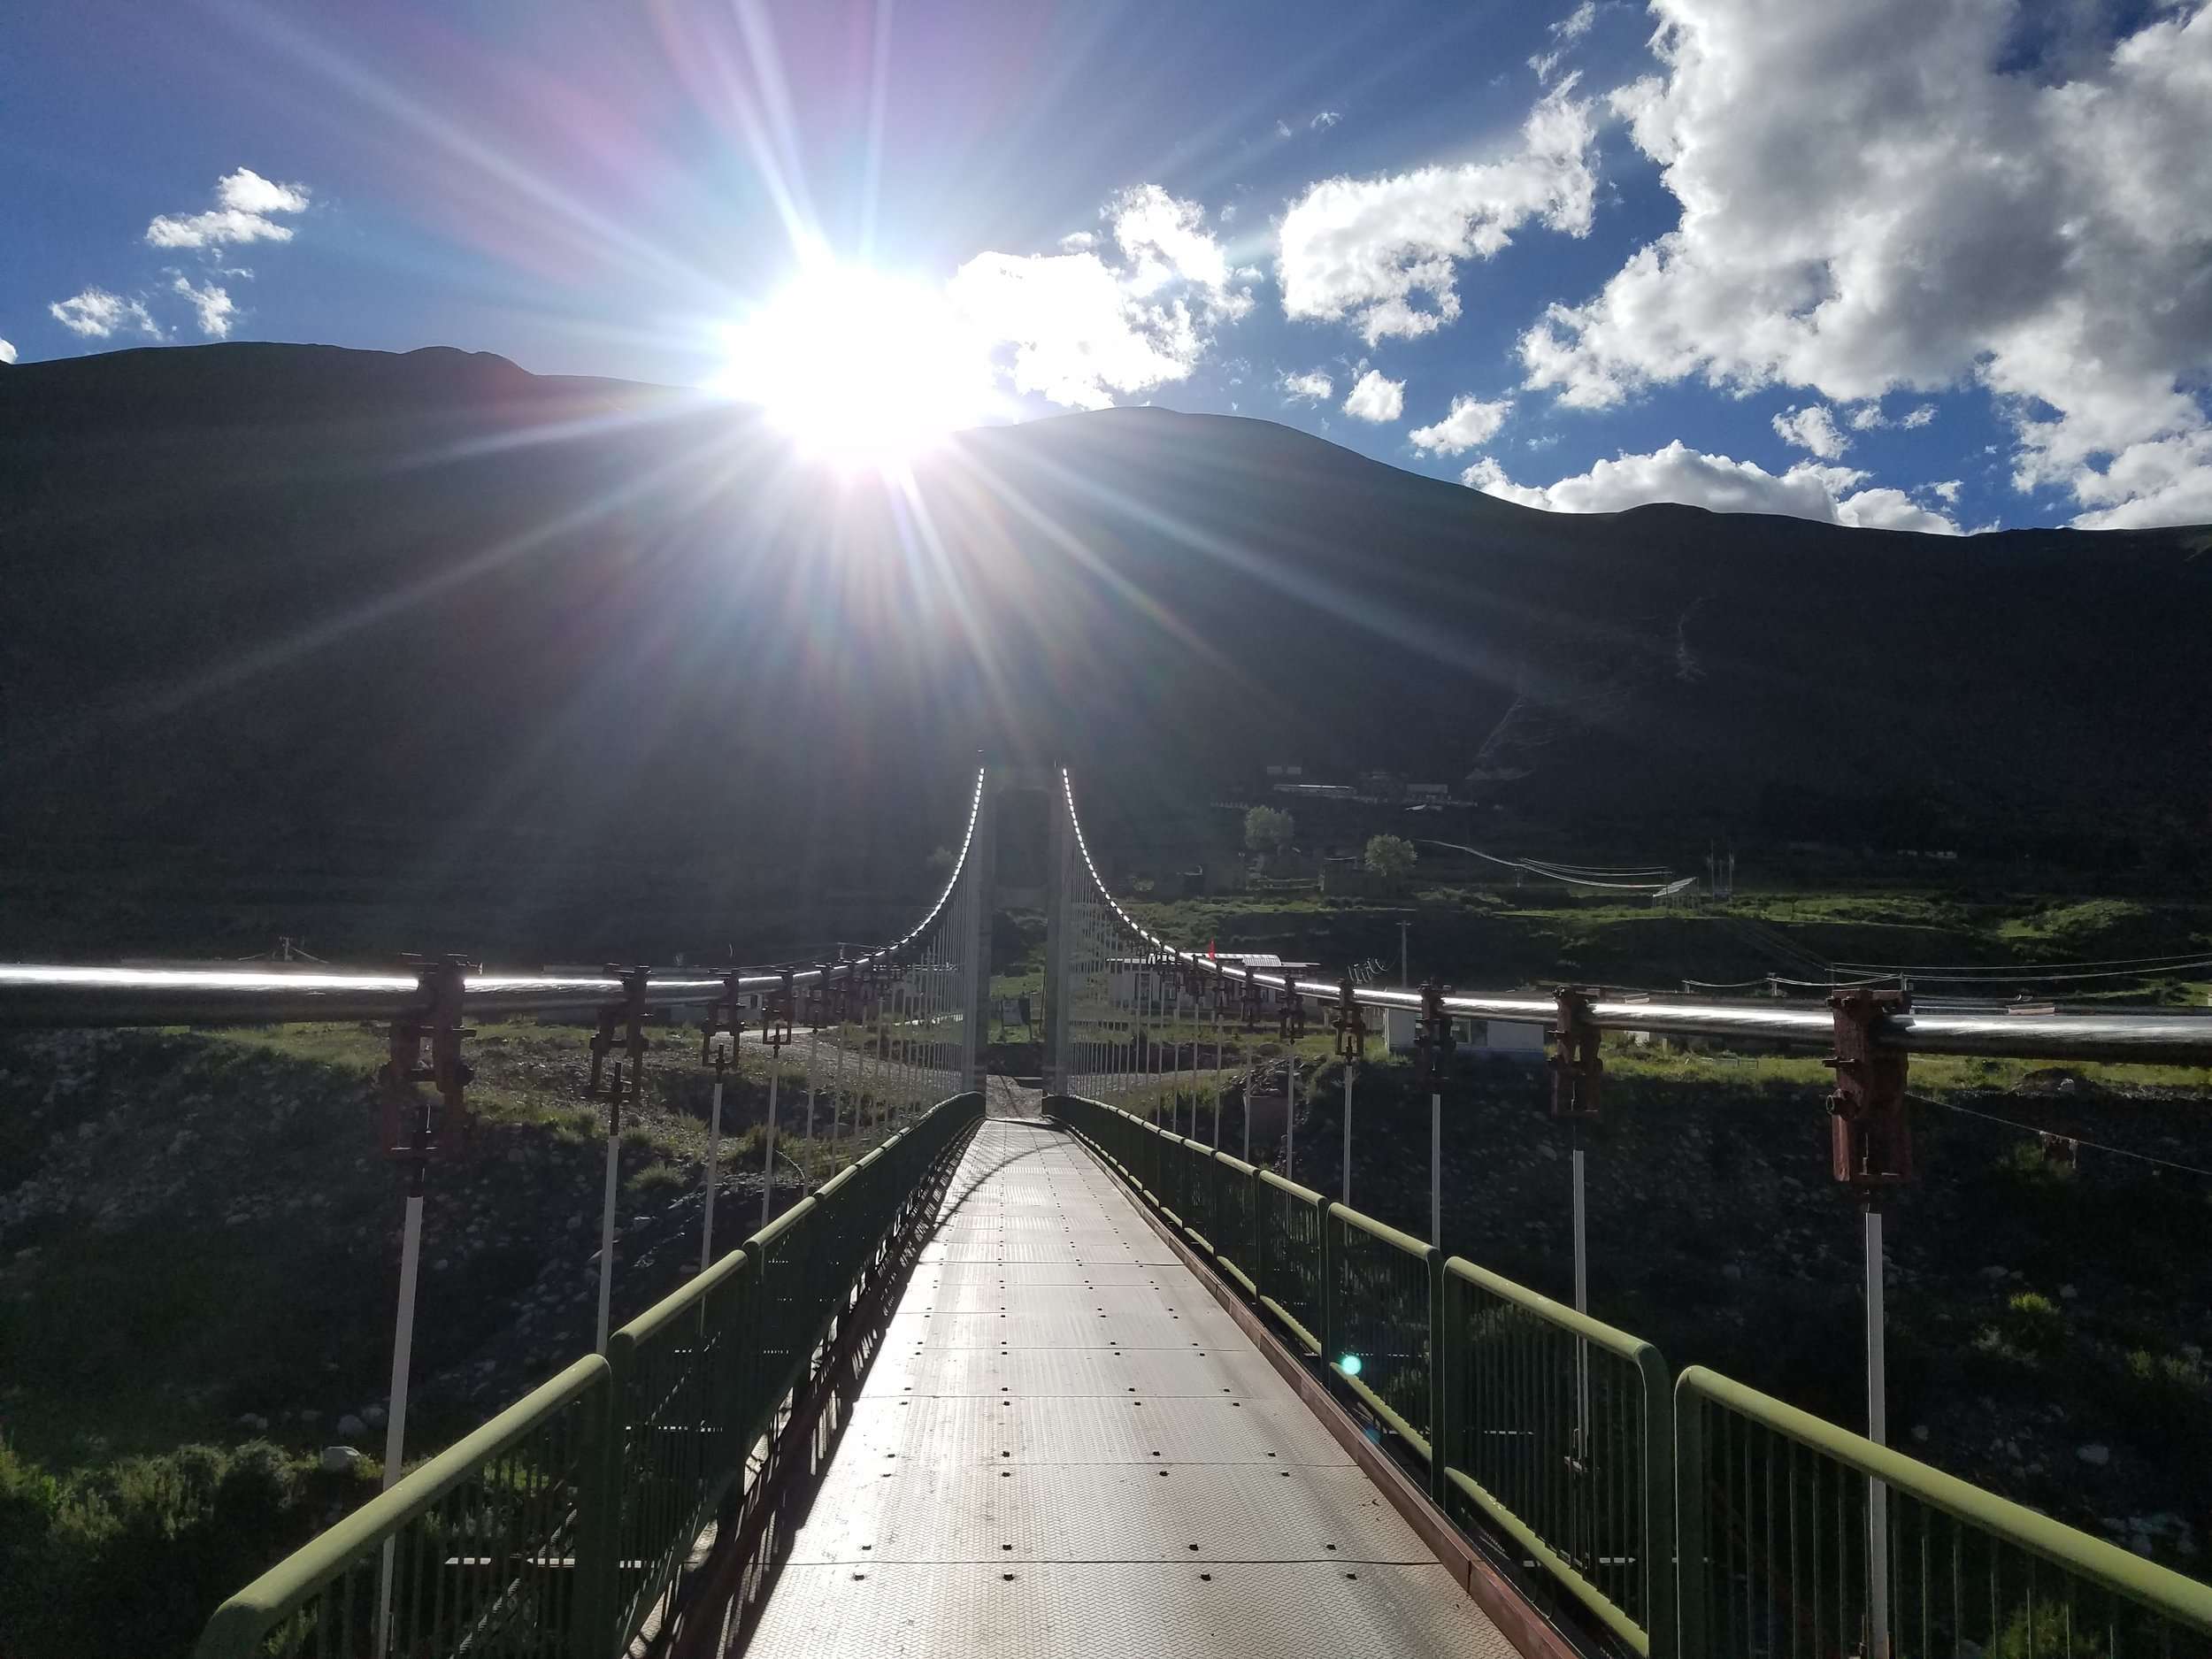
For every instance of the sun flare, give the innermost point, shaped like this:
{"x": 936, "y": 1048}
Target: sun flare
{"x": 861, "y": 368}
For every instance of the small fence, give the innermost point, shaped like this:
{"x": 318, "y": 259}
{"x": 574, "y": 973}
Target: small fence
{"x": 1701, "y": 1520}
{"x": 564, "y": 1525}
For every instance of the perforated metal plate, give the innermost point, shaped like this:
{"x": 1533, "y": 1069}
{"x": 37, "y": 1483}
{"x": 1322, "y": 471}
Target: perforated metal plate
{"x": 1065, "y": 1446}
{"x": 1153, "y": 1373}
{"x": 1242, "y": 1512}
{"x": 1266, "y": 1611}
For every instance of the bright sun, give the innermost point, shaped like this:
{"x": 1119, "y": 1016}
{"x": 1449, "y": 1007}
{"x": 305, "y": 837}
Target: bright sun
{"x": 860, "y": 368}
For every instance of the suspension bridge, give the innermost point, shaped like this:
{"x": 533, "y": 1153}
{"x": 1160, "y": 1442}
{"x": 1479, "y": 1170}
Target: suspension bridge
{"x": 1083, "y": 1367}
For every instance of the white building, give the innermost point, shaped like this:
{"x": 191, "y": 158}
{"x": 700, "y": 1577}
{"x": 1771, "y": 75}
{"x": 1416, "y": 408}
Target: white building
{"x": 1510, "y": 1039}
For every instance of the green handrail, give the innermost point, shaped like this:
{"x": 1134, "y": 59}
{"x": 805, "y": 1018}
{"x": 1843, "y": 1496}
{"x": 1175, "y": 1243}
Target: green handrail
{"x": 1558, "y": 1428}
{"x": 1773, "y": 1509}
{"x": 556, "y": 1527}
{"x": 331, "y": 1583}
{"x": 1383, "y": 1289}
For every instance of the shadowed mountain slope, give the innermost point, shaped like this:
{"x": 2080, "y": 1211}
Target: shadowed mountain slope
{"x": 514, "y": 655}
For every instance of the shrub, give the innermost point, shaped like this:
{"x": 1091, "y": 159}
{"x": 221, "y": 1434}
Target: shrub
{"x": 2033, "y": 1322}
{"x": 131, "y": 1558}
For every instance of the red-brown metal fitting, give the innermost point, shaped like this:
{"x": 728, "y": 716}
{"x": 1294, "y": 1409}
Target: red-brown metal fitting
{"x": 1869, "y": 1141}
{"x": 1433, "y": 1040}
{"x": 1578, "y": 1068}
{"x": 1350, "y": 1024}
{"x": 415, "y": 1126}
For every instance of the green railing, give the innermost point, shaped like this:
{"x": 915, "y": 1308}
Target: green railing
{"x": 560, "y": 1528}
{"x": 1382, "y": 1317}
{"x": 1559, "y": 1431}
{"x": 1289, "y": 1244}
{"x": 481, "y": 1540}
{"x": 1701, "y": 1520}
{"x": 1773, "y": 1506}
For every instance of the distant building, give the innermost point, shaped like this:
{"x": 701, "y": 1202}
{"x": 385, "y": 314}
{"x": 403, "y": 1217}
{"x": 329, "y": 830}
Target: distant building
{"x": 1504, "y": 1039}
{"x": 1428, "y": 792}
{"x": 1383, "y": 785}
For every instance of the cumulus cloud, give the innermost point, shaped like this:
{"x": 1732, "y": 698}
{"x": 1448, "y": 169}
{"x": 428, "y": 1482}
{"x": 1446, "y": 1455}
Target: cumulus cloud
{"x": 7, "y": 351}
{"x": 96, "y": 314}
{"x": 1812, "y": 428}
{"x": 212, "y": 304}
{"x": 1470, "y": 424}
{"x": 1946, "y": 492}
{"x": 1313, "y": 387}
{"x": 1918, "y": 418}
{"x": 1374, "y": 398}
{"x": 1829, "y": 494}
{"x": 1133, "y": 310}
{"x": 2041, "y": 233}
{"x": 244, "y": 206}
{"x": 1367, "y": 250}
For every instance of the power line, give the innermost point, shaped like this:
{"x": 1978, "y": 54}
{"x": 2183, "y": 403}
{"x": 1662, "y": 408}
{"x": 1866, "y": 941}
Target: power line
{"x": 2049, "y": 1135}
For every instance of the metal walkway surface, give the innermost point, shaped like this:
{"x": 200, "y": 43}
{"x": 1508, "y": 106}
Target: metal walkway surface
{"x": 1065, "y": 1446}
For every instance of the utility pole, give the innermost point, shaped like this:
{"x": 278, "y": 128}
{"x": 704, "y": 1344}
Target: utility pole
{"x": 1405, "y": 980}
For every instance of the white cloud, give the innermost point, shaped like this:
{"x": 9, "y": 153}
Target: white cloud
{"x": 1313, "y": 387}
{"x": 2167, "y": 480}
{"x": 1325, "y": 121}
{"x": 1946, "y": 492}
{"x": 1486, "y": 474}
{"x": 244, "y": 202}
{"x": 2041, "y": 233}
{"x": 1365, "y": 250}
{"x": 1918, "y": 418}
{"x": 1079, "y": 241}
{"x": 7, "y": 351}
{"x": 212, "y": 305}
{"x": 1569, "y": 29}
{"x": 1866, "y": 417}
{"x": 1812, "y": 428}
{"x": 1134, "y": 310}
{"x": 1829, "y": 494}
{"x": 1374, "y": 398}
{"x": 96, "y": 314}
{"x": 1282, "y": 129}
{"x": 1470, "y": 424}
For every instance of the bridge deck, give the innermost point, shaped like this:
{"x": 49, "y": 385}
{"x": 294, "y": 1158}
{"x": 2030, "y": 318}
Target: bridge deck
{"x": 1065, "y": 1446}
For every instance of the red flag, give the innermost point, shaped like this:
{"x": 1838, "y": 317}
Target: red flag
{"x": 1210, "y": 950}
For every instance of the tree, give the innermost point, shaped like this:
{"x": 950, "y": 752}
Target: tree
{"x": 1390, "y": 856}
{"x": 1268, "y": 829}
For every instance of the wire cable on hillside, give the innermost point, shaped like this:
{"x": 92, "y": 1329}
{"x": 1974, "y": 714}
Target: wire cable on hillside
{"x": 2193, "y": 958}
{"x": 1547, "y": 872}
{"x": 2051, "y": 1134}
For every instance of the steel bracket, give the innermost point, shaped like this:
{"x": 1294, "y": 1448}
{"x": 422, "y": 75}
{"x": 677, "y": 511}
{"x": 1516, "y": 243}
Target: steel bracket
{"x": 1578, "y": 1068}
{"x": 1350, "y": 1024}
{"x": 415, "y": 1127}
{"x": 1433, "y": 1040}
{"x": 1869, "y": 1141}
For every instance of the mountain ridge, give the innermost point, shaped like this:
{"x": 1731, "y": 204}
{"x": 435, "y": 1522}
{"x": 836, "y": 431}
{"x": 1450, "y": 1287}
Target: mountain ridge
{"x": 377, "y": 617}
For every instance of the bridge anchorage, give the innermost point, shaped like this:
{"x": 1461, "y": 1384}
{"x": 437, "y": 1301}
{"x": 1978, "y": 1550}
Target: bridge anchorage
{"x": 1079, "y": 1378}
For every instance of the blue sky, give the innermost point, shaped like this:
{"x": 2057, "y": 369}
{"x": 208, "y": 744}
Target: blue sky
{"x": 1920, "y": 264}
